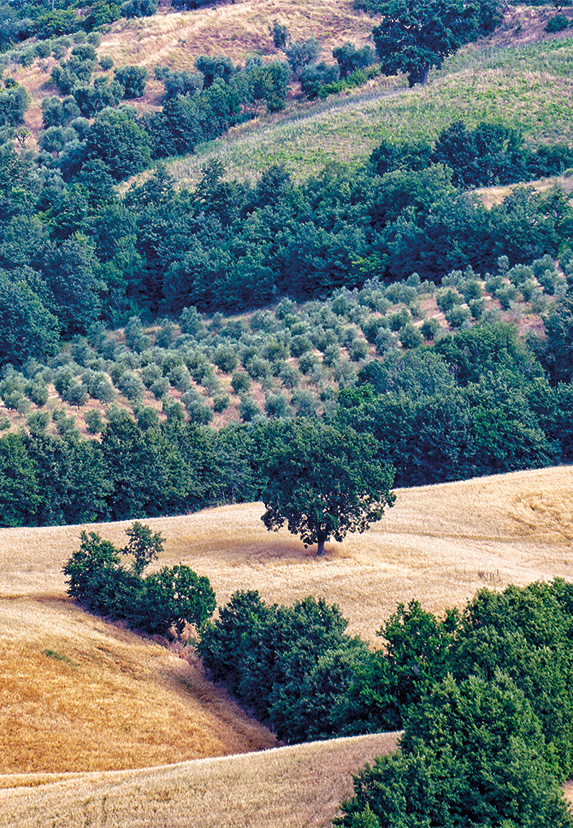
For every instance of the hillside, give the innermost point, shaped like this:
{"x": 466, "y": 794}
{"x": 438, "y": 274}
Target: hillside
{"x": 296, "y": 786}
{"x": 78, "y": 693}
{"x": 438, "y": 544}
{"x": 520, "y": 75}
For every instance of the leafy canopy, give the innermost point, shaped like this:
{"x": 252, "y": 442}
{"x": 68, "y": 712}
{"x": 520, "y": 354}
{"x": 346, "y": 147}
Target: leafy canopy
{"x": 323, "y": 480}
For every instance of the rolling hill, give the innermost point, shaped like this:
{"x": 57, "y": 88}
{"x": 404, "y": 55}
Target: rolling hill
{"x": 79, "y": 693}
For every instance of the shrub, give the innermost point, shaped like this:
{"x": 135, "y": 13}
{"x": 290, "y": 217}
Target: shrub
{"x": 258, "y": 367}
{"x": 477, "y": 308}
{"x": 225, "y": 358}
{"x": 131, "y": 385}
{"x": 302, "y": 52}
{"x": 280, "y": 35}
{"x": 276, "y": 405}
{"x": 410, "y": 336}
{"x": 106, "y": 63}
{"x": 240, "y": 382}
{"x": 248, "y": 409}
{"x": 289, "y": 376}
{"x": 397, "y": 320}
{"x": 557, "y": 23}
{"x": 94, "y": 421}
{"x": 429, "y": 328}
{"x": 179, "y": 377}
{"x": 221, "y": 403}
{"x": 308, "y": 362}
{"x": 199, "y": 412}
{"x": 457, "y": 315}
{"x": 304, "y": 403}
{"x": 146, "y": 417}
{"x": 357, "y": 350}
{"x": 159, "y": 387}
{"x": 132, "y": 79}
{"x": 37, "y": 391}
{"x": 446, "y": 298}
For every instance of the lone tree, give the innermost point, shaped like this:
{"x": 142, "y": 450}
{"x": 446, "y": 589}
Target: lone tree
{"x": 418, "y": 34}
{"x": 323, "y": 480}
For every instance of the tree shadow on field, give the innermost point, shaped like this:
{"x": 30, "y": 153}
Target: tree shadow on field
{"x": 288, "y": 552}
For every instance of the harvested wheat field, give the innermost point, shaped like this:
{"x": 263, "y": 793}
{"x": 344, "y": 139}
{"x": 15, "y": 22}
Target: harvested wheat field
{"x": 295, "y": 786}
{"x": 81, "y": 695}
{"x": 438, "y": 544}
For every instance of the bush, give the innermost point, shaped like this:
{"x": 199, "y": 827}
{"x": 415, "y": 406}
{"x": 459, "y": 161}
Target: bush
{"x": 248, "y": 409}
{"x": 357, "y": 350}
{"x": 257, "y": 368}
{"x": 457, "y": 315}
{"x": 557, "y": 23}
{"x": 429, "y": 328}
{"x": 316, "y": 75}
{"x": 276, "y": 405}
{"x": 410, "y": 336}
{"x": 132, "y": 79}
{"x": 199, "y": 412}
{"x": 226, "y": 358}
{"x": 304, "y": 403}
{"x": 302, "y": 52}
{"x": 240, "y": 382}
{"x": 94, "y": 421}
{"x": 280, "y": 35}
{"x": 166, "y": 600}
{"x": 446, "y": 298}
{"x": 221, "y": 403}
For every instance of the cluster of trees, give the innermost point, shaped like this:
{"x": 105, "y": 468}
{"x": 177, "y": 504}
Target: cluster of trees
{"x": 161, "y": 603}
{"x": 488, "y": 154}
{"x": 75, "y": 252}
{"x": 483, "y": 696}
{"x": 479, "y": 401}
{"x": 46, "y": 19}
{"x": 416, "y": 35}
{"x": 198, "y": 106}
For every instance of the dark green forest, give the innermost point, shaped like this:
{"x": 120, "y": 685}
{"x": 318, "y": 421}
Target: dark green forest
{"x": 483, "y": 696}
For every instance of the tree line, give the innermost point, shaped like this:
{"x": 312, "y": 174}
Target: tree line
{"x": 483, "y": 696}
{"x": 480, "y": 401}
{"x": 74, "y": 253}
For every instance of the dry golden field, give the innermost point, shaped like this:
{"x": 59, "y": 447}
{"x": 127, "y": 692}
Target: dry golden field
{"x": 78, "y": 694}
{"x": 298, "y": 787}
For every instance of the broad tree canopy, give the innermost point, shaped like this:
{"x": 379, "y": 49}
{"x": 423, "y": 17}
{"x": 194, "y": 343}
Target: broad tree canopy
{"x": 324, "y": 480}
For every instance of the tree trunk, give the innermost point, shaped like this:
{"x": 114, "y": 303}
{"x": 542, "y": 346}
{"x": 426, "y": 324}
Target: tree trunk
{"x": 320, "y": 548}
{"x": 424, "y": 73}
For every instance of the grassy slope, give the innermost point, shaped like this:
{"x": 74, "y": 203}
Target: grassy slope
{"x": 528, "y": 85}
{"x": 79, "y": 694}
{"x": 177, "y": 39}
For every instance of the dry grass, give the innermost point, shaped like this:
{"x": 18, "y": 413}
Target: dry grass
{"x": 235, "y": 29}
{"x": 78, "y": 694}
{"x": 496, "y": 195}
{"x": 296, "y": 786}
{"x": 432, "y": 545}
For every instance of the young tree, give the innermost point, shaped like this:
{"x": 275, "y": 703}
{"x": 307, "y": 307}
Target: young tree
{"x": 323, "y": 480}
{"x": 143, "y": 545}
